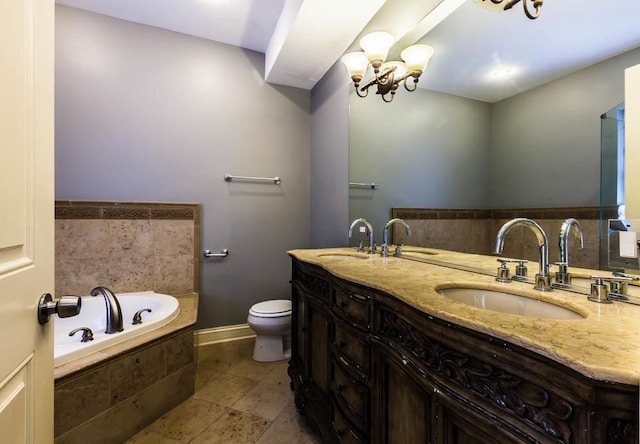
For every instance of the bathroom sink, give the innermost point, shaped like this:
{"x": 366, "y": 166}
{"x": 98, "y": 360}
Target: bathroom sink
{"x": 342, "y": 256}
{"x": 508, "y": 303}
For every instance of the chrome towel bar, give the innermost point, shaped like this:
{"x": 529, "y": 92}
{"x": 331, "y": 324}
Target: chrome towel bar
{"x": 275, "y": 180}
{"x": 373, "y": 186}
{"x": 223, "y": 253}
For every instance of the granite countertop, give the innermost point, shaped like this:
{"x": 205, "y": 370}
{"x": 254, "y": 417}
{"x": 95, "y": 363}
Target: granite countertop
{"x": 604, "y": 345}
{"x": 186, "y": 317}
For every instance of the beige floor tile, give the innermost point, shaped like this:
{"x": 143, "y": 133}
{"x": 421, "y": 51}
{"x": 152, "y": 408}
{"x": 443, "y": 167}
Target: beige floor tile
{"x": 148, "y": 436}
{"x": 225, "y": 390}
{"x": 278, "y": 374}
{"x": 233, "y": 428}
{"x": 265, "y": 400}
{"x": 289, "y": 427}
{"x": 227, "y": 376}
{"x": 251, "y": 369}
{"x": 187, "y": 420}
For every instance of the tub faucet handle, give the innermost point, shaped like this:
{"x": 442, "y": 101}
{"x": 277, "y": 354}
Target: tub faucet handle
{"x": 137, "y": 318}
{"x": 87, "y": 334}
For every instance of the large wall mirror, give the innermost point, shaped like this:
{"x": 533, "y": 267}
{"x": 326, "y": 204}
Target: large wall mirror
{"x": 538, "y": 147}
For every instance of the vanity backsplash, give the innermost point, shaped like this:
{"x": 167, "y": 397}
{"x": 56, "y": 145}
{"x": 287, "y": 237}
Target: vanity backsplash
{"x": 474, "y": 231}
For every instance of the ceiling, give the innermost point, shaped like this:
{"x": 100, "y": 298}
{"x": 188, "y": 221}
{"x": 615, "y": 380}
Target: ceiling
{"x": 302, "y": 39}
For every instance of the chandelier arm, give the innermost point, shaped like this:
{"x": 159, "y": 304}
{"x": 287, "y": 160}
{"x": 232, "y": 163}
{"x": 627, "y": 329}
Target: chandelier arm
{"x": 537, "y": 5}
{"x": 415, "y": 83}
{"x": 384, "y": 98}
{"x": 511, "y": 3}
{"x": 365, "y": 89}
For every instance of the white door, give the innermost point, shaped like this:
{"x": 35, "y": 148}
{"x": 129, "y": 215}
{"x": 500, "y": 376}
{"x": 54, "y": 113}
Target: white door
{"x": 26, "y": 219}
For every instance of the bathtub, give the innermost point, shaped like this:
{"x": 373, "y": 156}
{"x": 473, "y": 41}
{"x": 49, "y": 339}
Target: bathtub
{"x": 164, "y": 309}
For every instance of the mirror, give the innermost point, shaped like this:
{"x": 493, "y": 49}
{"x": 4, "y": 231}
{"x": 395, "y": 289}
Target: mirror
{"x": 539, "y": 149}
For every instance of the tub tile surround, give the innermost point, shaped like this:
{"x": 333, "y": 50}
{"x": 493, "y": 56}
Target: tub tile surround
{"x": 126, "y": 246}
{"x": 116, "y": 392}
{"x": 603, "y": 346}
{"x": 110, "y": 395}
{"x": 474, "y": 231}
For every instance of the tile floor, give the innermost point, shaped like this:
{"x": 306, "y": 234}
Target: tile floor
{"x": 237, "y": 400}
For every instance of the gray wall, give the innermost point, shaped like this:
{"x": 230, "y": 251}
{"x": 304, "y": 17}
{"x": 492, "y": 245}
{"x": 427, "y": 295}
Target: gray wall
{"x": 330, "y": 159}
{"x": 425, "y": 149}
{"x": 144, "y": 114}
{"x": 545, "y": 143}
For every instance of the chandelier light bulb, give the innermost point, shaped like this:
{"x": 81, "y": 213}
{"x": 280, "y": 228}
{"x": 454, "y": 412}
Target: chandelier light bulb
{"x": 356, "y": 63}
{"x": 417, "y": 57}
{"x": 376, "y": 45}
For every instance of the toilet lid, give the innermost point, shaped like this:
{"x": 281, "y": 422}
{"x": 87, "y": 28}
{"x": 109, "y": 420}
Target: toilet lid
{"x": 271, "y": 309}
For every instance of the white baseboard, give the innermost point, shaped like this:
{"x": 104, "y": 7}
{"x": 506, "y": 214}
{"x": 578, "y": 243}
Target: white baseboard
{"x": 223, "y": 334}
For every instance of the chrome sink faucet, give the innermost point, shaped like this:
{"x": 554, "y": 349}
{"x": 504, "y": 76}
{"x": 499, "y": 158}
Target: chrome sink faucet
{"x": 369, "y": 231}
{"x": 114, "y": 312}
{"x": 542, "y": 279}
{"x": 568, "y": 226}
{"x": 385, "y": 236}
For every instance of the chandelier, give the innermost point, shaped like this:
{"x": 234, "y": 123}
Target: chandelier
{"x": 387, "y": 76}
{"x": 497, "y": 5}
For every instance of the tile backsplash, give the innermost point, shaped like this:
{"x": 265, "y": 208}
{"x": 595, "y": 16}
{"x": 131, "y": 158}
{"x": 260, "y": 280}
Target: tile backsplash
{"x": 126, "y": 246}
{"x": 474, "y": 231}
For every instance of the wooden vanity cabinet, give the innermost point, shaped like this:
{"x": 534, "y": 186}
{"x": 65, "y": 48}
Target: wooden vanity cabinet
{"x": 310, "y": 359}
{"x": 367, "y": 367}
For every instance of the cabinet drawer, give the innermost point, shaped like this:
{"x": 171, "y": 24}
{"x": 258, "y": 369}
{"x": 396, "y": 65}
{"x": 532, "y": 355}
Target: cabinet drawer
{"x": 346, "y": 433}
{"x": 352, "y": 350}
{"x": 352, "y": 396}
{"x": 353, "y": 307}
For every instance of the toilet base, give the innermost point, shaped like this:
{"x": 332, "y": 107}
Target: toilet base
{"x": 271, "y": 348}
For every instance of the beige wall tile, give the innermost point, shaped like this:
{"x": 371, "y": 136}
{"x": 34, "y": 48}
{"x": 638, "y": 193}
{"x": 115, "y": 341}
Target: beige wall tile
{"x": 80, "y": 399}
{"x": 125, "y": 255}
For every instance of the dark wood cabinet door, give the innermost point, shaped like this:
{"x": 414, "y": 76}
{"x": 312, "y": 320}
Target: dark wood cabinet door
{"x": 317, "y": 359}
{"x": 404, "y": 409}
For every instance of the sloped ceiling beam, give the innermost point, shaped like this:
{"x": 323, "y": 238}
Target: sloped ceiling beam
{"x": 311, "y": 35}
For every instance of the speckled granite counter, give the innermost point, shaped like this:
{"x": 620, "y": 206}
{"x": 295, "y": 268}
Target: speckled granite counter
{"x": 186, "y": 317}
{"x": 605, "y": 345}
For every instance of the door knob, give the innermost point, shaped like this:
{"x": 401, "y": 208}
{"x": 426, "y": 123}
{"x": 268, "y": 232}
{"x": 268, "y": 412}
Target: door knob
{"x": 64, "y": 307}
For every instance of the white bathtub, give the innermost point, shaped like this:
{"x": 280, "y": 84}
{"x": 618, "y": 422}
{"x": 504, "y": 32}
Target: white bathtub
{"x": 93, "y": 314}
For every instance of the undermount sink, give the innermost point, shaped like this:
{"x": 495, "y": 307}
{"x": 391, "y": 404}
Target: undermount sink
{"x": 508, "y": 303}
{"x": 342, "y": 256}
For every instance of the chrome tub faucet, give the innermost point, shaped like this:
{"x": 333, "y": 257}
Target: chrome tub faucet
{"x": 385, "y": 237}
{"x": 568, "y": 226}
{"x": 542, "y": 279}
{"x": 114, "y": 312}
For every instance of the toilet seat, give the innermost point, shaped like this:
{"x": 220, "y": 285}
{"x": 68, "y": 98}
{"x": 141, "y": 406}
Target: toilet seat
{"x": 271, "y": 309}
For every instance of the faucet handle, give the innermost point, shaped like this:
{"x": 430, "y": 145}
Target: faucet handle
{"x": 599, "y": 290}
{"x": 562, "y": 275}
{"x": 503, "y": 270}
{"x": 618, "y": 286}
{"x": 521, "y": 268}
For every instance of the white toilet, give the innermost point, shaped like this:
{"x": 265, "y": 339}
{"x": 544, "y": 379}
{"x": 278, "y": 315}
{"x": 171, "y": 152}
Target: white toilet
{"x": 271, "y": 320}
